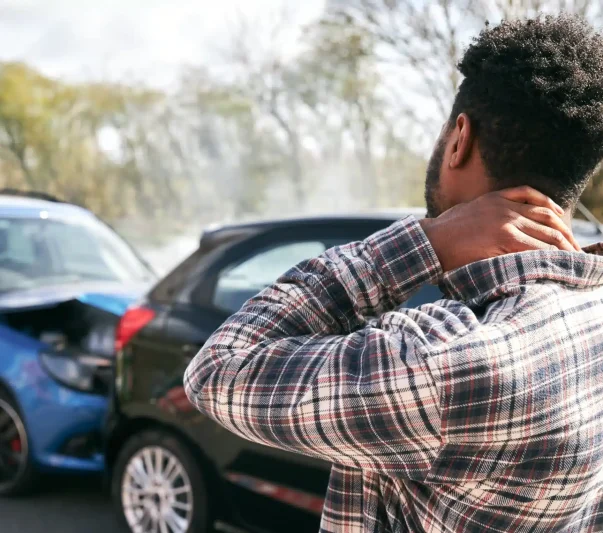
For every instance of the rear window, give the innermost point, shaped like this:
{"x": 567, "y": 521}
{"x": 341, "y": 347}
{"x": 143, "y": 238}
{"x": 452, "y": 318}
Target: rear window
{"x": 168, "y": 289}
{"x": 239, "y": 282}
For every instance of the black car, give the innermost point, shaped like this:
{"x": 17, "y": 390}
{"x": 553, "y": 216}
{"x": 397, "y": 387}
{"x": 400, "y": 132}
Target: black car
{"x": 172, "y": 469}
{"x": 164, "y": 457}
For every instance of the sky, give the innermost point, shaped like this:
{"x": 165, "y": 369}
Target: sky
{"x": 127, "y": 40}
{"x": 141, "y": 42}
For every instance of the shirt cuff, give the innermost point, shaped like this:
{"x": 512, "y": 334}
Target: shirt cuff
{"x": 405, "y": 258}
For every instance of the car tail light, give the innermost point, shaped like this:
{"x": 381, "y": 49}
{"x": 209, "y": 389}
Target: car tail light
{"x": 130, "y": 324}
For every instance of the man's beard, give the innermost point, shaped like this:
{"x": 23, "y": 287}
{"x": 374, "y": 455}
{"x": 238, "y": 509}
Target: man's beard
{"x": 432, "y": 180}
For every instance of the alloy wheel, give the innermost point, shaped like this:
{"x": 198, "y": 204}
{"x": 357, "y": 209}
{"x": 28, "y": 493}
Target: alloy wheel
{"x": 157, "y": 494}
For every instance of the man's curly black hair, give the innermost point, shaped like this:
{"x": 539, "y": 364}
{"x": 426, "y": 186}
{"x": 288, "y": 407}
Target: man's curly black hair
{"x": 533, "y": 90}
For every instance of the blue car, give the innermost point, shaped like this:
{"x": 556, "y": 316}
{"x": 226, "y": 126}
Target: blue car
{"x": 65, "y": 280}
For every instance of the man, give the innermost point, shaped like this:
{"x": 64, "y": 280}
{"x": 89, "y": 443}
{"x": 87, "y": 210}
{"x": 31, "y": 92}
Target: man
{"x": 484, "y": 411}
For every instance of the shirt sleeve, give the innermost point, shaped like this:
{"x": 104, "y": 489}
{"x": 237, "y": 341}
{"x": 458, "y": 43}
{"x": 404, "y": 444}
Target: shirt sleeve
{"x": 301, "y": 368}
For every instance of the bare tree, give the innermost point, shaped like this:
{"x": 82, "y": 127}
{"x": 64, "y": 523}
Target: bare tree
{"x": 422, "y": 42}
{"x": 339, "y": 69}
{"x": 257, "y": 49}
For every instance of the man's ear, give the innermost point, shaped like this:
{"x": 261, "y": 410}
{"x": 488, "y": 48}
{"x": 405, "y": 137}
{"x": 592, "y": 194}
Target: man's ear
{"x": 462, "y": 142}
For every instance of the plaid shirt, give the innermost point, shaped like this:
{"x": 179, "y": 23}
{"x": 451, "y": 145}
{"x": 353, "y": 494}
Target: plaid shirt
{"x": 480, "y": 412}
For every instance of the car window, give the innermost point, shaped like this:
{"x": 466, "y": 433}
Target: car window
{"x": 37, "y": 252}
{"x": 80, "y": 254}
{"x": 18, "y": 244}
{"x": 239, "y": 282}
{"x": 180, "y": 284}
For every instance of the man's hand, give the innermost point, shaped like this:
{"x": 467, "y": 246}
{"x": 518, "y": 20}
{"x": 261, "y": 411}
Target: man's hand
{"x": 498, "y": 223}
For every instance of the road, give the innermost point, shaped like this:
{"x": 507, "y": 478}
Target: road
{"x": 61, "y": 505}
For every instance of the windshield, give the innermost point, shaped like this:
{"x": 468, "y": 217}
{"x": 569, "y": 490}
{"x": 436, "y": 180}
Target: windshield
{"x": 39, "y": 252}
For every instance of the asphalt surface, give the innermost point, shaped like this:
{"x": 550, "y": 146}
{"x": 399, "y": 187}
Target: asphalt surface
{"x": 61, "y": 505}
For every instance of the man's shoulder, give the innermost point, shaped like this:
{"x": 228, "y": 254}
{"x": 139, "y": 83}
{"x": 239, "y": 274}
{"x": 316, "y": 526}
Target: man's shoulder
{"x": 446, "y": 322}
{"x": 520, "y": 350}
{"x": 521, "y": 390}
{"x": 498, "y": 321}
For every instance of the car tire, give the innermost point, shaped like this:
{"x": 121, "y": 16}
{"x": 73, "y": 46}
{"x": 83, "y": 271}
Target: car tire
{"x": 141, "y": 500}
{"x": 20, "y": 480}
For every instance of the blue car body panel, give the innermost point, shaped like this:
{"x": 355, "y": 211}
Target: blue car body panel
{"x": 115, "y": 305}
{"x": 52, "y": 412}
{"x": 111, "y": 297}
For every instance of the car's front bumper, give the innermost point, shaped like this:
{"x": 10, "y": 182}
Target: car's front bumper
{"x": 65, "y": 432}
{"x": 64, "y": 426}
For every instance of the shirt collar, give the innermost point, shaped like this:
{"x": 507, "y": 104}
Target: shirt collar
{"x": 491, "y": 278}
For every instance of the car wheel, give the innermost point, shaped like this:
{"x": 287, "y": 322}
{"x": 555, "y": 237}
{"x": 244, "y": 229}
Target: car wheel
{"x": 16, "y": 470}
{"x": 158, "y": 486}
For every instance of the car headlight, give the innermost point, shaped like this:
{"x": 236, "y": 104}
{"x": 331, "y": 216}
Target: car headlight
{"x": 82, "y": 372}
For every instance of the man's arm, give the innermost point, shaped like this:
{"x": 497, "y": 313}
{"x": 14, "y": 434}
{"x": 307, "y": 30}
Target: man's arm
{"x": 296, "y": 368}
{"x": 292, "y": 369}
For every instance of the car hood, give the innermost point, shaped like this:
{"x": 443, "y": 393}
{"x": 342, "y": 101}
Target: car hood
{"x": 108, "y": 296}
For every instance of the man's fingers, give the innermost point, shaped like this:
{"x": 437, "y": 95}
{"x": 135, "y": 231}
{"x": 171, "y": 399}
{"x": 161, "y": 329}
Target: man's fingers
{"x": 545, "y": 234}
{"x": 549, "y": 218}
{"x": 528, "y": 195}
{"x": 523, "y": 242}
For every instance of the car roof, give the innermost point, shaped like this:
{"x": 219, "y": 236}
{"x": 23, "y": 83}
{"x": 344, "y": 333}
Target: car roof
{"x": 319, "y": 219}
{"x": 24, "y": 207}
{"x": 586, "y": 232}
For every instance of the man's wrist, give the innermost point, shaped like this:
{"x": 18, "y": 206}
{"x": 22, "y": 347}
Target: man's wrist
{"x": 405, "y": 258}
{"x": 432, "y": 229}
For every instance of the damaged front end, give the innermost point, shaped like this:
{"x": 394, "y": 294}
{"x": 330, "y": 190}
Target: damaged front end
{"x": 57, "y": 350}
{"x": 76, "y": 329}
